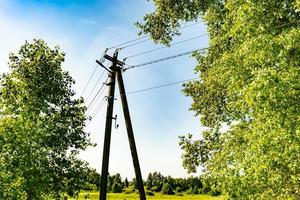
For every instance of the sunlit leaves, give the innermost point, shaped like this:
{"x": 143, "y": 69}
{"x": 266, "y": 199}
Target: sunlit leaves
{"x": 41, "y": 126}
{"x": 250, "y": 80}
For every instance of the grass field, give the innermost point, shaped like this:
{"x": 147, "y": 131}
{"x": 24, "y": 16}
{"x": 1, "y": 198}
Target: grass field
{"x": 112, "y": 196}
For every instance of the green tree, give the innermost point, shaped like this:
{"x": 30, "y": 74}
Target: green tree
{"x": 133, "y": 184}
{"x": 166, "y": 189}
{"x": 149, "y": 182}
{"x": 247, "y": 95}
{"x": 92, "y": 179}
{"x": 116, "y": 188}
{"x": 178, "y": 190}
{"x": 126, "y": 183}
{"x": 190, "y": 190}
{"x": 196, "y": 190}
{"x": 41, "y": 126}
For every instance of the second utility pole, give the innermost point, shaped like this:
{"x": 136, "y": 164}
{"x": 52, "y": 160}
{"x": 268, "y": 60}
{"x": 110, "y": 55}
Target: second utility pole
{"x": 116, "y": 70}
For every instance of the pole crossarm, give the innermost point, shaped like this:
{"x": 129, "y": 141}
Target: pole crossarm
{"x": 112, "y": 60}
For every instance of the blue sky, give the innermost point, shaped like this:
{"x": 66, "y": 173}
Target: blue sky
{"x": 83, "y": 29}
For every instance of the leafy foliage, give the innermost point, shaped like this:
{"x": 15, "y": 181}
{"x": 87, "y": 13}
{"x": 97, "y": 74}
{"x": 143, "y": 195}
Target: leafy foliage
{"x": 248, "y": 93}
{"x": 166, "y": 189}
{"x": 155, "y": 182}
{"x": 167, "y": 185}
{"x": 41, "y": 126}
{"x": 116, "y": 188}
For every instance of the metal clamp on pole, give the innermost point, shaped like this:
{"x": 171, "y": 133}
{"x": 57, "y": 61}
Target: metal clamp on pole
{"x": 116, "y": 118}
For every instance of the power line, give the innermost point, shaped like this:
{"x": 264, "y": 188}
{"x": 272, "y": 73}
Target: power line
{"x": 100, "y": 77}
{"x": 163, "y": 47}
{"x": 142, "y": 90}
{"x": 163, "y": 59}
{"x": 186, "y": 53}
{"x": 98, "y": 108}
{"x": 91, "y": 76}
{"x": 92, "y": 104}
{"x": 146, "y": 36}
{"x": 91, "y": 107}
{"x": 130, "y": 41}
{"x": 160, "y": 86}
{"x": 184, "y": 27}
{"x": 130, "y": 45}
{"x": 154, "y": 61}
{"x": 99, "y": 92}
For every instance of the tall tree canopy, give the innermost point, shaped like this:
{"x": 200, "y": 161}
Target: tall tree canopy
{"x": 250, "y": 83}
{"x": 41, "y": 126}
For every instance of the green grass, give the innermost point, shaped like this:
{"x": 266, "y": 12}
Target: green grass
{"x": 158, "y": 196}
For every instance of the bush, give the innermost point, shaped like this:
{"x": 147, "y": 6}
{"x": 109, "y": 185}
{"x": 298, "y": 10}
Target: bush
{"x": 116, "y": 188}
{"x": 196, "y": 190}
{"x": 200, "y": 191}
{"x": 155, "y": 189}
{"x": 166, "y": 189}
{"x": 178, "y": 189}
{"x": 149, "y": 193}
{"x": 89, "y": 186}
{"x": 214, "y": 192}
{"x": 190, "y": 190}
{"x": 129, "y": 190}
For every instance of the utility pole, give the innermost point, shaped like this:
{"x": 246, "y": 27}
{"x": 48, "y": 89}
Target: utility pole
{"x": 132, "y": 145}
{"x": 107, "y": 136}
{"x": 116, "y": 70}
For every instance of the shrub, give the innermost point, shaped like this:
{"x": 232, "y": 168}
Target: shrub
{"x": 155, "y": 189}
{"x": 166, "y": 189}
{"x": 129, "y": 190}
{"x": 149, "y": 193}
{"x": 178, "y": 189}
{"x": 196, "y": 190}
{"x": 190, "y": 190}
{"x": 214, "y": 192}
{"x": 89, "y": 186}
{"x": 116, "y": 188}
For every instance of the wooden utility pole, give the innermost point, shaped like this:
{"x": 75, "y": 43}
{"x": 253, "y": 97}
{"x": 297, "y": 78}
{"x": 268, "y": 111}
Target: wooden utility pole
{"x": 116, "y": 70}
{"x": 132, "y": 145}
{"x": 107, "y": 136}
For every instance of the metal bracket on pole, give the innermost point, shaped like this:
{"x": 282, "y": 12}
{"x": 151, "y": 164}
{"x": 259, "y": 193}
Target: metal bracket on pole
{"x": 99, "y": 63}
{"x": 116, "y": 118}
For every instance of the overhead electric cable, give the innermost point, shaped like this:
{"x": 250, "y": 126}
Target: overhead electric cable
{"x": 160, "y": 86}
{"x": 163, "y": 59}
{"x": 130, "y": 41}
{"x": 142, "y": 90}
{"x": 99, "y": 79}
{"x": 96, "y": 100}
{"x": 184, "y": 27}
{"x": 130, "y": 45}
{"x": 145, "y": 36}
{"x": 99, "y": 97}
{"x": 163, "y": 47}
{"x": 185, "y": 53}
{"x": 91, "y": 76}
{"x": 98, "y": 108}
{"x": 100, "y": 91}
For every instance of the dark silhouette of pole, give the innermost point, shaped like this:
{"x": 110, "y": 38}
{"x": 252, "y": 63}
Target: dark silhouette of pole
{"x": 130, "y": 135}
{"x": 116, "y": 70}
{"x": 107, "y": 136}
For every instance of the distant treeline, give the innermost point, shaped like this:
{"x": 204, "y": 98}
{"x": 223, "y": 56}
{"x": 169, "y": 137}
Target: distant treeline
{"x": 155, "y": 182}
